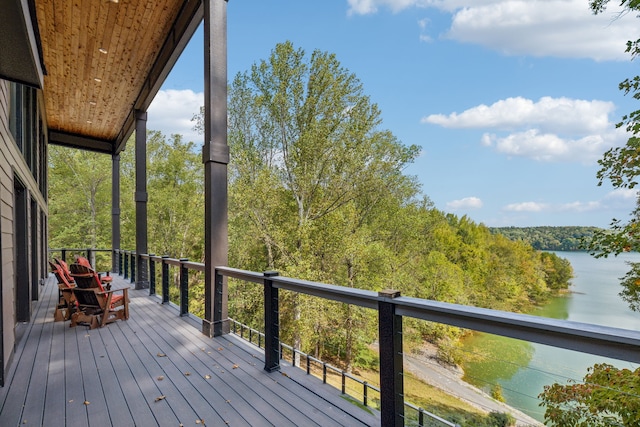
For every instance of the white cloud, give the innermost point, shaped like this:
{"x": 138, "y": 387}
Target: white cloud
{"x": 526, "y": 207}
{"x": 551, "y": 129}
{"x": 577, "y": 207}
{"x": 171, "y": 112}
{"x": 549, "y": 147}
{"x": 365, "y": 7}
{"x": 560, "y": 28}
{"x": 622, "y": 194}
{"x": 549, "y": 114}
{"x": 580, "y": 207}
{"x": 465, "y": 203}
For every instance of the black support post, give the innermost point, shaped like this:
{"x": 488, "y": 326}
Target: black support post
{"x": 391, "y": 371}
{"x": 271, "y": 324}
{"x": 184, "y": 288}
{"x": 138, "y": 270}
{"x": 215, "y": 156}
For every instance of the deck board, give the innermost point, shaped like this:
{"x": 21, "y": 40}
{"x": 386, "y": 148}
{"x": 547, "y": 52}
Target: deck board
{"x": 156, "y": 369}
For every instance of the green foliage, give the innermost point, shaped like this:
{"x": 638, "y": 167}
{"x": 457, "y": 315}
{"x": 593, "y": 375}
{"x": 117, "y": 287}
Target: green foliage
{"x": 80, "y": 198}
{"x": 558, "y": 271}
{"x": 501, "y": 419}
{"x": 608, "y": 396}
{"x": 550, "y": 238}
{"x": 496, "y": 393}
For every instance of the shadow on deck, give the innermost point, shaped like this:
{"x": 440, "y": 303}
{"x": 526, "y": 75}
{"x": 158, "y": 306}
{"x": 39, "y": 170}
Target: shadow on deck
{"x": 156, "y": 369}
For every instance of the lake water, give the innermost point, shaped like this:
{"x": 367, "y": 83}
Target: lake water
{"x": 522, "y": 369}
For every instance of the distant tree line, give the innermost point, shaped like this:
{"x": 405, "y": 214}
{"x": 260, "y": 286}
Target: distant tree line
{"x": 550, "y": 238}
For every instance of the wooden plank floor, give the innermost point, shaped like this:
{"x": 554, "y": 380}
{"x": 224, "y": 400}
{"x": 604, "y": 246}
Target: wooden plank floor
{"x": 156, "y": 369}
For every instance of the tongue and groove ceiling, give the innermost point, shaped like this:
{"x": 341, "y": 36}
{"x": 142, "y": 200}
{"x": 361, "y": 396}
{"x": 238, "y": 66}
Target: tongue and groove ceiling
{"x": 105, "y": 59}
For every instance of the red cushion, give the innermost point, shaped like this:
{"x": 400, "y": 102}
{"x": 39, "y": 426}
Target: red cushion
{"x": 65, "y": 269}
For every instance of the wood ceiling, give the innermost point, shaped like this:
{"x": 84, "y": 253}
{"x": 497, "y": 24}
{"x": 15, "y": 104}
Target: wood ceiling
{"x": 106, "y": 58}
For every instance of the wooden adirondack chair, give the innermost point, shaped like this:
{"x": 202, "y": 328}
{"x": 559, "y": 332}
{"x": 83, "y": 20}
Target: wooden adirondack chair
{"x": 97, "y": 306}
{"x": 66, "y": 300}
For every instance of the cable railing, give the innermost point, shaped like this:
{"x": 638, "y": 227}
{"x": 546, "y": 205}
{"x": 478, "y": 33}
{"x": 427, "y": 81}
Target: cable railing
{"x": 369, "y": 391}
{"x": 621, "y": 344}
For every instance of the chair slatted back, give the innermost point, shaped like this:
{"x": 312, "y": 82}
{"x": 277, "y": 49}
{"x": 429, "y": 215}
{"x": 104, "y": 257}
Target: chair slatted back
{"x": 60, "y": 275}
{"x": 85, "y": 277}
{"x": 87, "y": 298}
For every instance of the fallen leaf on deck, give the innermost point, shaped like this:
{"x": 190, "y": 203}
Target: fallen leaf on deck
{"x": 220, "y": 349}
{"x": 207, "y": 377}
{"x": 162, "y": 355}
{"x": 186, "y": 374}
{"x": 235, "y": 366}
{"x": 284, "y": 375}
{"x": 159, "y": 398}
{"x": 86, "y": 402}
{"x": 160, "y": 378}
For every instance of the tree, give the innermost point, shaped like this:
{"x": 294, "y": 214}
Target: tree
{"x": 608, "y": 396}
{"x": 310, "y": 171}
{"x": 80, "y": 202}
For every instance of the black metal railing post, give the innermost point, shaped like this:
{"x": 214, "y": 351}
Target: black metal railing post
{"x": 184, "y": 288}
{"x": 165, "y": 280}
{"x": 220, "y": 324}
{"x": 271, "y": 324}
{"x": 391, "y": 373}
{"x": 120, "y": 262}
{"x": 132, "y": 266}
{"x": 92, "y": 258}
{"x": 365, "y": 395}
{"x": 126, "y": 264}
{"x": 64, "y": 255}
{"x": 152, "y": 275}
{"x": 114, "y": 261}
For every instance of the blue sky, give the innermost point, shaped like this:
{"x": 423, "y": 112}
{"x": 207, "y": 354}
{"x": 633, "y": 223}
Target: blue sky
{"x": 512, "y": 102}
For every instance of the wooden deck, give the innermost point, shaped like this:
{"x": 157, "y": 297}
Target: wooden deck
{"x": 156, "y": 369}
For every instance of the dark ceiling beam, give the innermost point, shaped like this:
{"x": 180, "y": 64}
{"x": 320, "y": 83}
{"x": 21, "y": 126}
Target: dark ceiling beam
{"x": 80, "y": 142}
{"x": 184, "y": 27}
{"x": 19, "y": 44}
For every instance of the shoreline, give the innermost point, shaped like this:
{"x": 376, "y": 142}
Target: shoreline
{"x": 449, "y": 379}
